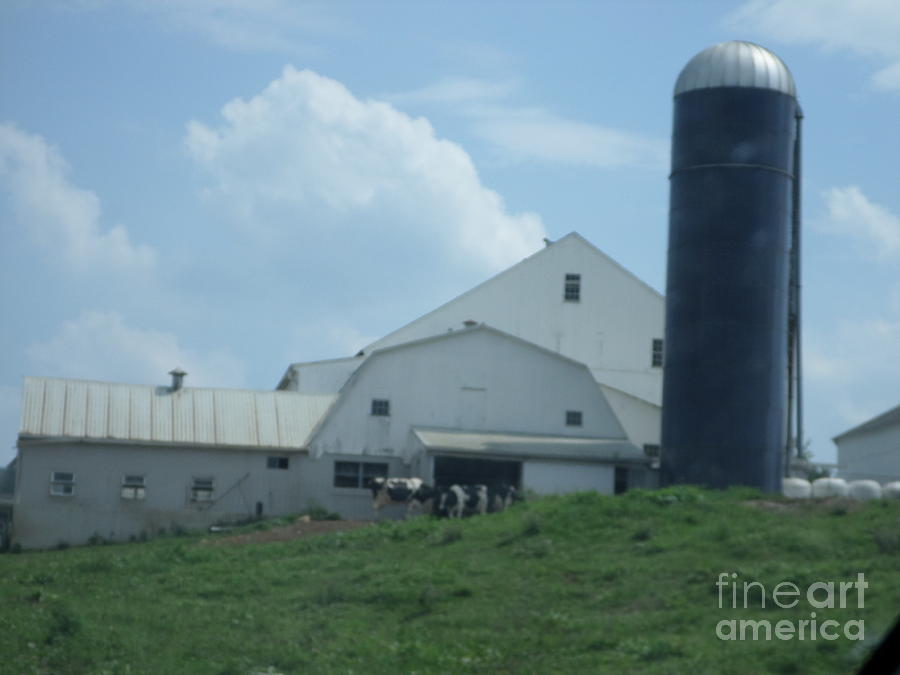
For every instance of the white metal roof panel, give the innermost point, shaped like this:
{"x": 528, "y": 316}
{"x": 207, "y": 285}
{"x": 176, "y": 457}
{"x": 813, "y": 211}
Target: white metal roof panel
{"x": 736, "y": 64}
{"x": 531, "y": 446}
{"x": 80, "y": 409}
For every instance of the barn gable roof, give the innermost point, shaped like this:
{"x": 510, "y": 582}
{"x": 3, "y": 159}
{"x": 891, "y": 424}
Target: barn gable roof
{"x": 55, "y": 408}
{"x": 885, "y": 419}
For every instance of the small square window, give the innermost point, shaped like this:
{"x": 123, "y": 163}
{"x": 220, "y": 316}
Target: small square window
{"x": 572, "y": 289}
{"x": 62, "y": 483}
{"x": 657, "y": 356}
{"x": 202, "y": 490}
{"x": 132, "y": 486}
{"x": 277, "y": 462}
{"x": 573, "y": 418}
{"x": 381, "y": 407}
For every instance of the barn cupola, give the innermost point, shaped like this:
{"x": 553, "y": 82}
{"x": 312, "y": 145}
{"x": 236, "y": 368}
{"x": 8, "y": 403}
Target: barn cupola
{"x": 177, "y": 378}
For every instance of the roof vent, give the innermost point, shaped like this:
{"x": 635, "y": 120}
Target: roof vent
{"x": 177, "y": 378}
{"x": 468, "y": 323}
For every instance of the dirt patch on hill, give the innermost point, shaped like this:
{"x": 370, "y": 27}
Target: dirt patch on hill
{"x": 835, "y": 505}
{"x": 299, "y": 528}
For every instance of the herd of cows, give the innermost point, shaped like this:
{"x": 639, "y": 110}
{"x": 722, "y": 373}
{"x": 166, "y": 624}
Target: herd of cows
{"x": 454, "y": 501}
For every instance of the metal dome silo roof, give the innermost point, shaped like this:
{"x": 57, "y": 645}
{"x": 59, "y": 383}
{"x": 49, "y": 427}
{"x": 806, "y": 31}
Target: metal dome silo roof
{"x": 736, "y": 64}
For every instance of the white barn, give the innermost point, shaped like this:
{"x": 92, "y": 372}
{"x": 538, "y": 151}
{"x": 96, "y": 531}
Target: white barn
{"x": 120, "y": 461}
{"x": 559, "y": 392}
{"x": 871, "y": 450}
{"x": 472, "y": 405}
{"x": 569, "y": 298}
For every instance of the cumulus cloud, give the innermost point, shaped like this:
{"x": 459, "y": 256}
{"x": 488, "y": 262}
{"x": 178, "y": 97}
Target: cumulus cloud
{"x": 866, "y": 27}
{"x": 533, "y": 133}
{"x": 61, "y": 218}
{"x": 306, "y": 155}
{"x": 850, "y": 212}
{"x": 101, "y": 346}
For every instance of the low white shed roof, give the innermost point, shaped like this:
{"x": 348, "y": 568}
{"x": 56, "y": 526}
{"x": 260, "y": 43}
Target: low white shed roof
{"x": 82, "y": 409}
{"x": 528, "y": 446}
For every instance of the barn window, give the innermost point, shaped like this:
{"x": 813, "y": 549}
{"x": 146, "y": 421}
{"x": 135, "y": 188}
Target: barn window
{"x": 621, "y": 480}
{"x": 132, "y": 486}
{"x": 381, "y": 407}
{"x": 657, "y": 353}
{"x": 202, "y": 490}
{"x": 358, "y": 474}
{"x": 62, "y": 484}
{"x": 273, "y": 462}
{"x": 572, "y": 289}
{"x": 573, "y": 418}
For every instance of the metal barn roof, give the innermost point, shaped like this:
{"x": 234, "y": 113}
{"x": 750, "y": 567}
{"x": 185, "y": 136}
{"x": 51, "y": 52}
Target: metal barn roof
{"x": 885, "y": 419}
{"x": 529, "y": 446}
{"x": 81, "y": 409}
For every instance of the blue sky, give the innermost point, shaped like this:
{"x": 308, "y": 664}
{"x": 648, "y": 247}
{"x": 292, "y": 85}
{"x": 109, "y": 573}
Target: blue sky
{"x": 235, "y": 185}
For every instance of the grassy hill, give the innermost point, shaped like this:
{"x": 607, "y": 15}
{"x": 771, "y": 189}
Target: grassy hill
{"x": 576, "y": 584}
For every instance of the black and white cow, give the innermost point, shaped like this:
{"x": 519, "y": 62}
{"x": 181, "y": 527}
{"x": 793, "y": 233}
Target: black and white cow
{"x": 460, "y": 499}
{"x": 410, "y": 491}
{"x": 501, "y": 496}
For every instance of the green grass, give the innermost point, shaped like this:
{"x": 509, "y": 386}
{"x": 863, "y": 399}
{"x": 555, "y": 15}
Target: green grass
{"x": 577, "y": 584}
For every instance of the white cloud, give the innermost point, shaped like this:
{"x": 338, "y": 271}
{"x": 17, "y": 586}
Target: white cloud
{"x": 866, "y": 27}
{"x": 851, "y": 213}
{"x": 533, "y": 133}
{"x": 240, "y": 25}
{"x": 62, "y": 218}
{"x": 101, "y": 346}
{"x": 306, "y": 155}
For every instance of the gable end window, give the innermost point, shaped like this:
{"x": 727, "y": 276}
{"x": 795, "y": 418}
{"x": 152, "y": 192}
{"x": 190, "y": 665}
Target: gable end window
{"x": 381, "y": 407}
{"x": 572, "y": 289}
{"x": 573, "y": 418}
{"x": 273, "y": 462}
{"x": 132, "y": 486}
{"x": 62, "y": 483}
{"x": 657, "y": 354}
{"x": 358, "y": 474}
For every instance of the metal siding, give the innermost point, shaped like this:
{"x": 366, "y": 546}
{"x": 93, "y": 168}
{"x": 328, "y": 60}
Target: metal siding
{"x": 290, "y": 426}
{"x": 97, "y": 418}
{"x": 268, "y": 419}
{"x": 119, "y": 411}
{"x": 161, "y": 404}
{"x": 140, "y": 414}
{"x": 76, "y": 409}
{"x": 83, "y": 409}
{"x": 182, "y": 416}
{"x": 32, "y": 406}
{"x": 235, "y": 418}
{"x": 204, "y": 417}
{"x": 54, "y": 408}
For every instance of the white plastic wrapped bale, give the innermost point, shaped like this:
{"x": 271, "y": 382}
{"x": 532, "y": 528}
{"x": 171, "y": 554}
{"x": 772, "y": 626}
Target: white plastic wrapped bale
{"x": 829, "y": 487}
{"x": 864, "y": 489}
{"x": 891, "y": 490}
{"x": 796, "y": 488}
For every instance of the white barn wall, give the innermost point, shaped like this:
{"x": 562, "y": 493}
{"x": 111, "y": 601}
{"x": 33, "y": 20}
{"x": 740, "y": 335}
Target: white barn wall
{"x": 547, "y": 478}
{"x": 475, "y": 379}
{"x": 872, "y": 454}
{"x": 42, "y": 520}
{"x": 610, "y": 329}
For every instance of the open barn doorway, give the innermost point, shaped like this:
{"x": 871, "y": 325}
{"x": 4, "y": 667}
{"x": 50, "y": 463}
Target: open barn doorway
{"x": 467, "y": 471}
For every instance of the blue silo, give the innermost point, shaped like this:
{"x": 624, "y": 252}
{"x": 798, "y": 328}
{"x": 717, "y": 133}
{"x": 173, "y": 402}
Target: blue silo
{"x": 725, "y": 393}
